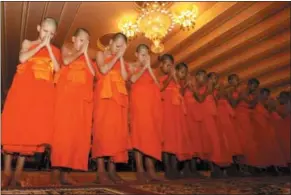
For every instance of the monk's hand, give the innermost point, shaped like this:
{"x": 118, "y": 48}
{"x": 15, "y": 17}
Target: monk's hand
{"x": 147, "y": 62}
{"x": 84, "y": 48}
{"x": 121, "y": 52}
{"x": 45, "y": 41}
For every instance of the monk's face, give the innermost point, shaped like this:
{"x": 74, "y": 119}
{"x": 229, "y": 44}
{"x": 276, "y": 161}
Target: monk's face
{"x": 142, "y": 55}
{"x": 253, "y": 86}
{"x": 265, "y": 95}
{"x": 283, "y": 99}
{"x": 166, "y": 66}
{"x": 201, "y": 77}
{"x": 182, "y": 73}
{"x": 117, "y": 45}
{"x": 234, "y": 81}
{"x": 46, "y": 29}
{"x": 80, "y": 40}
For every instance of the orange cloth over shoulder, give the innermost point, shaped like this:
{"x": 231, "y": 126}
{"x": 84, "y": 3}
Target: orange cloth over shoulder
{"x": 73, "y": 116}
{"x": 27, "y": 118}
{"x": 176, "y": 139}
{"x": 270, "y": 152}
{"x": 218, "y": 151}
{"x": 226, "y": 125}
{"x": 110, "y": 116}
{"x": 146, "y": 116}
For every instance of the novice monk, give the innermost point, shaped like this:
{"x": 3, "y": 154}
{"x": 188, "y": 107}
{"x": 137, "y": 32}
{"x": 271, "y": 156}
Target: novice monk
{"x": 110, "y": 127}
{"x": 269, "y": 150}
{"x": 216, "y": 148}
{"x": 194, "y": 124}
{"x": 145, "y": 110}
{"x": 73, "y": 109}
{"x": 242, "y": 98}
{"x": 27, "y": 120}
{"x": 225, "y": 122}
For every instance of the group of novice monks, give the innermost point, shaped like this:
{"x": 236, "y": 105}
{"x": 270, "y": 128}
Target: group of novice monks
{"x": 236, "y": 128}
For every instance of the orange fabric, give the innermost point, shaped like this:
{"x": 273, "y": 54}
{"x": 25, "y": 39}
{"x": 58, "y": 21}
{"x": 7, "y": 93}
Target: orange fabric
{"x": 174, "y": 130}
{"x": 110, "y": 116}
{"x": 146, "y": 116}
{"x": 282, "y": 130}
{"x": 193, "y": 119}
{"x": 225, "y": 124}
{"x": 73, "y": 116}
{"x": 218, "y": 151}
{"x": 270, "y": 152}
{"x": 29, "y": 107}
{"x": 245, "y": 129}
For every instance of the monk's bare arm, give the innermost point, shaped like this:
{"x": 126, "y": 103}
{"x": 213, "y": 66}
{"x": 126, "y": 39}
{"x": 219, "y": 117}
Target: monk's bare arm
{"x": 69, "y": 56}
{"x": 89, "y": 64}
{"x": 105, "y": 67}
{"x": 153, "y": 76}
{"x": 123, "y": 70}
{"x": 25, "y": 53}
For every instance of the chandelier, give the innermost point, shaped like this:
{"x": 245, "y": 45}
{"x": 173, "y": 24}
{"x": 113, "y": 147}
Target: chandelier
{"x": 156, "y": 20}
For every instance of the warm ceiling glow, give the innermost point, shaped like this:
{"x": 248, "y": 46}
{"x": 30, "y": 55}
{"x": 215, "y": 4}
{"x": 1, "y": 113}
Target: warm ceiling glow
{"x": 185, "y": 14}
{"x": 156, "y": 21}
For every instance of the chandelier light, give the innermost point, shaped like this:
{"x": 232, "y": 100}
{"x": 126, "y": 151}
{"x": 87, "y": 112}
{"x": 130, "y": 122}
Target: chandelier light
{"x": 155, "y": 21}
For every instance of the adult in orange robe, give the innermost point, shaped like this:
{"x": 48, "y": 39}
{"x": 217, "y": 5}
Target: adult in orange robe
{"x": 283, "y": 125}
{"x": 175, "y": 137}
{"x": 194, "y": 124}
{"x": 242, "y": 98}
{"x": 225, "y": 123}
{"x": 145, "y": 109}
{"x": 110, "y": 115}
{"x": 73, "y": 108}
{"x": 219, "y": 157}
{"x": 28, "y": 112}
{"x": 269, "y": 150}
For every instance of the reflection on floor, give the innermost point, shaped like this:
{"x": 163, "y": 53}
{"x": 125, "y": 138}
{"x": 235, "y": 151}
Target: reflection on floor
{"x": 38, "y": 183}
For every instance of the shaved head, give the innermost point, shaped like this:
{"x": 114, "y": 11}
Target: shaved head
{"x": 50, "y": 21}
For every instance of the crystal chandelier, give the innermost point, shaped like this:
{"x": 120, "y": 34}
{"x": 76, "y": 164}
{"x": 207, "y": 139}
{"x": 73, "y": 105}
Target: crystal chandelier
{"x": 155, "y": 21}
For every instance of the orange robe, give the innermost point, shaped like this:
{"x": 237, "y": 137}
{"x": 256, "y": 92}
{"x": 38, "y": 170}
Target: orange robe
{"x": 265, "y": 137}
{"x": 194, "y": 119}
{"x": 73, "y": 116}
{"x": 245, "y": 129}
{"x": 174, "y": 130}
{"x": 226, "y": 125}
{"x": 146, "y": 113}
{"x": 29, "y": 107}
{"x": 282, "y": 130}
{"x": 213, "y": 135}
{"x": 110, "y": 116}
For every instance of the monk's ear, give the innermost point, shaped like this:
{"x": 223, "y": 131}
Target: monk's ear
{"x": 38, "y": 28}
{"x": 136, "y": 54}
{"x": 110, "y": 42}
{"x": 73, "y": 39}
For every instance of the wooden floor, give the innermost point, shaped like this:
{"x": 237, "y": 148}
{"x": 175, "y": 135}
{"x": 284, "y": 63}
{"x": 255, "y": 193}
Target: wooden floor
{"x": 38, "y": 183}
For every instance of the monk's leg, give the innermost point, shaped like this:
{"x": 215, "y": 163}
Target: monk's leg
{"x": 102, "y": 176}
{"x": 216, "y": 171}
{"x": 16, "y": 181}
{"x": 140, "y": 172}
{"x": 167, "y": 165}
{"x": 113, "y": 174}
{"x": 174, "y": 163}
{"x": 7, "y": 177}
{"x": 151, "y": 170}
{"x": 66, "y": 178}
{"x": 194, "y": 171}
{"x": 186, "y": 171}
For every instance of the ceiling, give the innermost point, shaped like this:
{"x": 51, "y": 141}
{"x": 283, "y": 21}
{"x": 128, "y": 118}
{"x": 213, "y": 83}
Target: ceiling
{"x": 251, "y": 39}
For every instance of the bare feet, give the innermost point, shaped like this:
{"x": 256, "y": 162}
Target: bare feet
{"x": 6, "y": 180}
{"x": 116, "y": 178}
{"x": 142, "y": 178}
{"x": 103, "y": 178}
{"x": 67, "y": 180}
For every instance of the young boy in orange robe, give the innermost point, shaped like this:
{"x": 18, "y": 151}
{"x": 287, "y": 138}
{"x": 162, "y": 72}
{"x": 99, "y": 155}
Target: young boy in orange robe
{"x": 145, "y": 110}
{"x": 27, "y": 119}
{"x": 213, "y": 141}
{"x": 110, "y": 116}
{"x": 73, "y": 109}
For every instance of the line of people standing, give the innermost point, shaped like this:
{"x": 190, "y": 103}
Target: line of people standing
{"x": 179, "y": 117}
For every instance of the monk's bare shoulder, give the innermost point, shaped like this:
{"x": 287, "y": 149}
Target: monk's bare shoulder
{"x": 26, "y": 44}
